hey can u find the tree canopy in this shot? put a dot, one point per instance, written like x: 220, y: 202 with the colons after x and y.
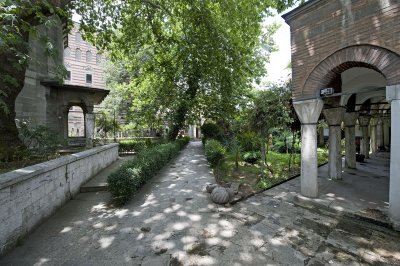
x: 187, y: 58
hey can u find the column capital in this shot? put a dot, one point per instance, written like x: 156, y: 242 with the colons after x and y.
x: 308, y: 111
x: 350, y: 119
x: 334, y: 116
x: 89, y: 109
x: 364, y: 120
x: 374, y: 121
x: 393, y: 92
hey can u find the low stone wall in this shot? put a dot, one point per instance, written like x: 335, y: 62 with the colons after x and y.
x: 31, y: 194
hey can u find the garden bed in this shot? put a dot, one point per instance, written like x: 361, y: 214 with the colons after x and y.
x: 249, y: 175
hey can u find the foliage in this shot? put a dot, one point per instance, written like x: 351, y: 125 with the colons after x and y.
x: 40, y: 140
x: 251, y: 157
x: 42, y: 143
x: 124, y: 182
x: 215, y: 152
x: 187, y: 58
x: 249, y: 141
x: 129, y: 146
x: 211, y: 130
x: 106, y: 123
x: 235, y: 149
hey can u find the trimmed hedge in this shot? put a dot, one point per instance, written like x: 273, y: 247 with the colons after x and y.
x: 133, y: 174
x: 129, y: 146
x: 215, y: 152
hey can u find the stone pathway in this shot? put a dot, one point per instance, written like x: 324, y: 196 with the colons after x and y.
x: 173, y: 222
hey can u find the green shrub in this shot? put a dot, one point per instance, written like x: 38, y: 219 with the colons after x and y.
x: 183, y: 141
x: 251, y: 157
x: 211, y: 130
x: 249, y: 141
x: 124, y: 182
x: 215, y: 152
x: 136, y: 145
x: 281, y: 147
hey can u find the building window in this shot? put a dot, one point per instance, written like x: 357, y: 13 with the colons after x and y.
x: 67, y: 52
x: 78, y: 54
x: 98, y: 59
x: 68, y: 75
x: 88, y: 57
x: 78, y: 37
x: 88, y: 78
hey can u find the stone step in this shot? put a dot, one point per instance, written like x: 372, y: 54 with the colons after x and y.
x: 99, y: 181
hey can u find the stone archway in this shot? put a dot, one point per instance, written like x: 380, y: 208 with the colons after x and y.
x: 309, y: 105
x: 377, y: 58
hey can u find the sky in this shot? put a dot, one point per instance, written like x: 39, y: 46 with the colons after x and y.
x: 276, y: 69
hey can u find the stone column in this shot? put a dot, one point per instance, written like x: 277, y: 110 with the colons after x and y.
x: 386, y: 127
x: 364, y: 122
x: 393, y: 96
x: 190, y: 132
x: 64, y: 122
x: 350, y: 120
x: 89, y: 127
x: 321, y: 140
x: 372, y: 125
x: 379, y: 133
x: 334, y: 118
x: 308, y: 112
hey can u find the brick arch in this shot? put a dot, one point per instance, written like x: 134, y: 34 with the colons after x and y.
x: 377, y: 58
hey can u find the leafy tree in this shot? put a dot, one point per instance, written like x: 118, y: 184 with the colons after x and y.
x: 183, y: 53
x: 106, y: 123
x: 271, y: 110
x: 188, y: 58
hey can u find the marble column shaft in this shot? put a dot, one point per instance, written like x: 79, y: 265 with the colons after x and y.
x: 386, y: 128
x: 364, y: 122
x: 334, y: 118
x: 393, y: 96
x: 372, y: 124
x: 89, y: 129
x: 379, y: 133
x: 350, y: 120
x: 308, y: 112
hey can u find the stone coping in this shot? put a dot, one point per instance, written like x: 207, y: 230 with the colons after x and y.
x: 19, y: 175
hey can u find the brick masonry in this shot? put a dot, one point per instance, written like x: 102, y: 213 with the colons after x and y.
x: 329, y: 37
x: 31, y: 194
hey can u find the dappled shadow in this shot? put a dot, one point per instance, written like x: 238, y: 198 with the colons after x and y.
x: 172, y: 220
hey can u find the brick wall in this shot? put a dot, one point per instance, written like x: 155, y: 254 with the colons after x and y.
x: 31, y: 194
x: 323, y: 27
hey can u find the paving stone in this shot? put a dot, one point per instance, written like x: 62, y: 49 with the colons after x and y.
x: 172, y: 221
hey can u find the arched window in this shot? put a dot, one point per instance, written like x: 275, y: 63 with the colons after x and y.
x: 98, y: 59
x: 78, y: 54
x: 67, y: 52
x: 88, y: 56
x: 78, y: 37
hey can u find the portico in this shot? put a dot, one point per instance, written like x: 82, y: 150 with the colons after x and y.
x: 332, y: 52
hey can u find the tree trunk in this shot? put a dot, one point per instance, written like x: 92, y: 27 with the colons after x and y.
x: 263, y: 157
x: 180, y: 114
x: 11, y: 83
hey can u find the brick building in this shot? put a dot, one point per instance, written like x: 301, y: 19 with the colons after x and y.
x: 84, y: 64
x: 346, y: 69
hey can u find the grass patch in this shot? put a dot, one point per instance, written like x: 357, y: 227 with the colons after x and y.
x: 249, y: 175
